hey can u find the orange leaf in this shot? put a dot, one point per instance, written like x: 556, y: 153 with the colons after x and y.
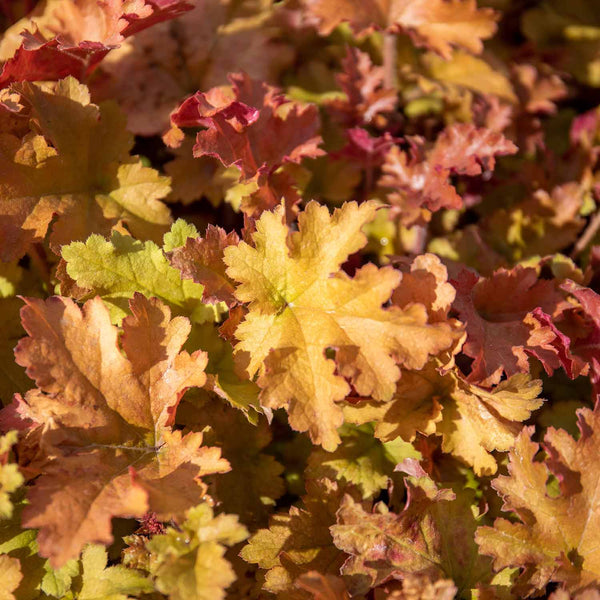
x: 103, y: 417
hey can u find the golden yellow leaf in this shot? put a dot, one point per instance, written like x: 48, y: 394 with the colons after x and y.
x: 301, y: 304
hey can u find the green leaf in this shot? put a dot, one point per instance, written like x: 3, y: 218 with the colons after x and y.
x: 180, y: 231
x: 10, y: 477
x: 118, y: 268
x: 188, y: 564
x: 361, y: 459
x: 112, y: 583
x: 57, y: 582
x: 39, y: 577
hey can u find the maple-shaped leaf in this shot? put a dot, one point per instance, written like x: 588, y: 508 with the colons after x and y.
x: 116, y: 269
x: 472, y: 420
x: 432, y: 536
x: 103, y: 416
x: 69, y: 37
x: 201, y: 259
x: 586, y: 346
x: 426, y: 282
x: 101, y: 582
x: 10, y: 477
x: 298, y: 542
x: 74, y: 166
x: 420, y: 178
x: 366, y: 94
x: 361, y: 460
x: 301, y: 304
x: 475, y: 422
x: 10, y: 575
x: 253, y: 128
x: 435, y: 24
x: 555, y: 537
x: 188, y: 563
x: 508, y: 318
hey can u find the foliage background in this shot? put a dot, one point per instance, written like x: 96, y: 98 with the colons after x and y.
x: 299, y: 299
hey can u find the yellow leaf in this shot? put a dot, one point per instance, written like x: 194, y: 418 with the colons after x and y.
x: 74, y: 165
x: 301, y: 304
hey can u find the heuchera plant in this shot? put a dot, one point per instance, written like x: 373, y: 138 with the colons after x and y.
x: 299, y: 299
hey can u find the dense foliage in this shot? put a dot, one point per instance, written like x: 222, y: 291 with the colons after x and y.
x: 300, y: 299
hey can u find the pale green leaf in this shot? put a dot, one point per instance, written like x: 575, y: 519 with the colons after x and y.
x: 180, y: 231
x: 118, y: 268
x: 188, y: 564
x: 112, y: 583
x: 10, y: 477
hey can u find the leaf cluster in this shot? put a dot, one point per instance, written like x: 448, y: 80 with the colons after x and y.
x: 299, y: 300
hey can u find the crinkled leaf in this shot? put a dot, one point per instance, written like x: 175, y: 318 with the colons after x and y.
x: 420, y: 180
x: 201, y: 259
x: 100, y: 582
x: 361, y: 460
x: 188, y: 563
x: 555, y: 535
x: 254, y: 128
x: 298, y: 542
x: 504, y: 323
x: 432, y: 536
x: 116, y: 269
x: 472, y: 421
x: 74, y: 163
x: 301, y: 304
x: 113, y: 411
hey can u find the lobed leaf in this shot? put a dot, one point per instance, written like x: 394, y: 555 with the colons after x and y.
x: 104, y: 418
x: 301, y: 304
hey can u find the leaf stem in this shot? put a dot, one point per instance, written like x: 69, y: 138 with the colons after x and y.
x: 587, y: 236
x: 389, y: 60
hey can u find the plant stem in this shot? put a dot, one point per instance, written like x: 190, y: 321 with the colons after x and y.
x: 588, y: 235
x: 389, y: 60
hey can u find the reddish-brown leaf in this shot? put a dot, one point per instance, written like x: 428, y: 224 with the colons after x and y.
x: 71, y: 38
x: 257, y: 130
x: 101, y: 417
x: 505, y: 319
x: 201, y: 259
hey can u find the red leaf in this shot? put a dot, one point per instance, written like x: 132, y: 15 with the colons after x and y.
x: 507, y: 318
x: 103, y: 26
x: 257, y: 131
